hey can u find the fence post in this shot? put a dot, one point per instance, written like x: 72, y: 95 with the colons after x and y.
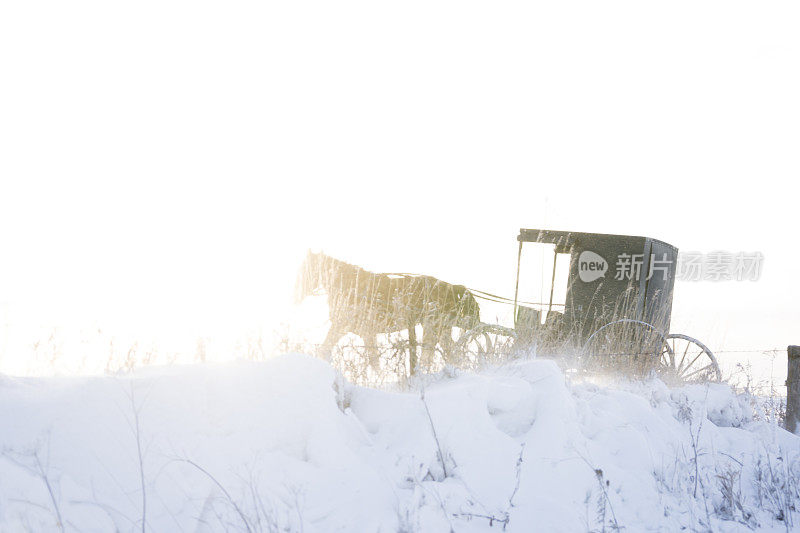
x: 793, y: 390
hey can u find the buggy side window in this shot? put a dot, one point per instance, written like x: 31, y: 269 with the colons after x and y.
x: 560, y: 281
x: 543, y: 274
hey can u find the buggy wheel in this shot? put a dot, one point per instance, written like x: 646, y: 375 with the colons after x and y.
x: 483, y: 344
x: 688, y: 359
x: 626, y: 346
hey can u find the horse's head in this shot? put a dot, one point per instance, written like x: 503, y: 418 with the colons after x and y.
x: 308, y: 276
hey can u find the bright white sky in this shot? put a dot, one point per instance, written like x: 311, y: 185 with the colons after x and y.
x: 165, y: 165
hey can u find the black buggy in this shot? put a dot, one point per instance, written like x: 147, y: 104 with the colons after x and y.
x: 614, y: 312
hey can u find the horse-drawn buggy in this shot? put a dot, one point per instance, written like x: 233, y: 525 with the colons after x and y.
x: 607, y: 306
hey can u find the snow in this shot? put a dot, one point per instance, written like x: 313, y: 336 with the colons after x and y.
x: 288, y: 445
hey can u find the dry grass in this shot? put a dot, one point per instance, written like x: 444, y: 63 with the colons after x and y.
x: 628, y: 348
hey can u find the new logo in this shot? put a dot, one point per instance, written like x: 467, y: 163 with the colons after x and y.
x: 591, y: 266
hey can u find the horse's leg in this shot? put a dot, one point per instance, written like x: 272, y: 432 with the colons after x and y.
x: 429, y: 337
x: 336, y: 332
x: 412, y: 347
x: 371, y: 346
x: 446, y: 342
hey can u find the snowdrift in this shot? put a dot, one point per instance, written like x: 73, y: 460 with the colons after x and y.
x: 286, y: 445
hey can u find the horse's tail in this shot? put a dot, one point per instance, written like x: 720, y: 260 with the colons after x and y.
x: 469, y: 309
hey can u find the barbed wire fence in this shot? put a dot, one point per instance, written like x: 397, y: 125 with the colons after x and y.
x: 758, y: 370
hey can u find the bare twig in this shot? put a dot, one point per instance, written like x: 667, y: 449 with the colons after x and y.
x: 435, y: 436
x: 43, y: 475
x: 138, y: 434
x: 225, y: 492
x: 603, y: 483
x: 519, y: 477
x: 39, y: 470
x: 491, y: 518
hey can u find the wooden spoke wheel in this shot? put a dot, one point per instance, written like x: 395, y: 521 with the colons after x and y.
x: 626, y: 346
x: 688, y: 359
x: 484, y: 343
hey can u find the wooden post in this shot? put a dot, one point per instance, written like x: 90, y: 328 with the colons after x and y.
x: 516, y: 286
x: 793, y: 390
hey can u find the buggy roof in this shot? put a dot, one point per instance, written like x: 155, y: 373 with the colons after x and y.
x: 564, y: 240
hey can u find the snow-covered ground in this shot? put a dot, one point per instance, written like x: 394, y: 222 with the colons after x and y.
x: 286, y: 445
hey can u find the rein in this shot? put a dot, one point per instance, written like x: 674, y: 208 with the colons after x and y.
x: 483, y: 295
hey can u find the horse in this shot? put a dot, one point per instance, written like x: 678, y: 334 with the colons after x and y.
x: 367, y: 304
